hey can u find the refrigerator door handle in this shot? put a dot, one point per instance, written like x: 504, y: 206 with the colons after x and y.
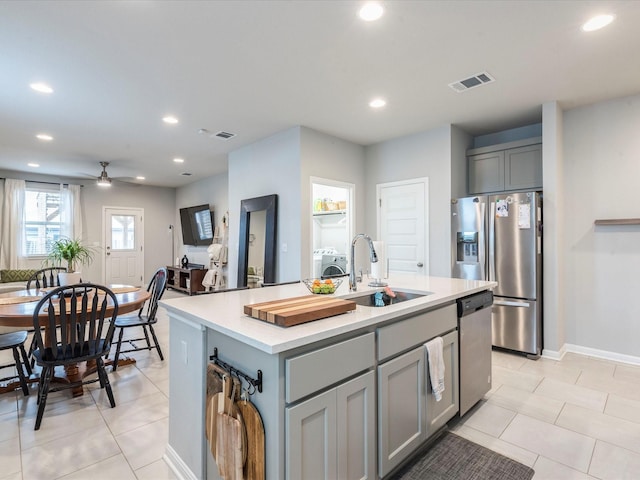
x: 491, y: 238
x: 505, y: 303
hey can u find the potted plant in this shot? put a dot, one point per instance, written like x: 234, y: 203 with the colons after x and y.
x: 74, y: 253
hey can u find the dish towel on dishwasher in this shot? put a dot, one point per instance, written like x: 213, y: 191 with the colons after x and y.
x: 435, y: 357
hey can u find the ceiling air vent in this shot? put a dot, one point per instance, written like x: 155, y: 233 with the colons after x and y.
x: 225, y: 135
x: 471, y: 82
x: 222, y: 135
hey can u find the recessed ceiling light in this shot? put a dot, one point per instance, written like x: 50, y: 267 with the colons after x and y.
x: 139, y: 177
x: 178, y: 160
x: 41, y: 87
x: 170, y: 119
x: 34, y: 165
x: 371, y: 11
x: 45, y: 137
x: 377, y: 103
x: 597, y: 22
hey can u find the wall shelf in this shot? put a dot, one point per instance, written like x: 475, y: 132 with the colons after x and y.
x: 325, y: 213
x: 618, y: 221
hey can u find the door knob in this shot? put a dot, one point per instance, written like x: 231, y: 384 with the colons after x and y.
x: 420, y: 264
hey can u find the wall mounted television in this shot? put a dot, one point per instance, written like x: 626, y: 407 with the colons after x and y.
x: 197, y: 225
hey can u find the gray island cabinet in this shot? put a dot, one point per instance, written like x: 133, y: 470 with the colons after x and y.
x: 343, y: 397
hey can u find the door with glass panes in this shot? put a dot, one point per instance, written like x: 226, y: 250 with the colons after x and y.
x: 123, y: 244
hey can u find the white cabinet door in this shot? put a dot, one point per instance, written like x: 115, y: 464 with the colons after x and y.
x: 311, y: 438
x: 439, y: 413
x: 401, y: 408
x: 356, y: 428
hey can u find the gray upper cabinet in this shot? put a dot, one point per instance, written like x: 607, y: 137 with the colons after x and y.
x: 505, y: 167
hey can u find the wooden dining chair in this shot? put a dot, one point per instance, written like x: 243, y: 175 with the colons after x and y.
x: 145, y: 319
x: 15, y: 341
x: 85, y: 333
x: 47, y: 277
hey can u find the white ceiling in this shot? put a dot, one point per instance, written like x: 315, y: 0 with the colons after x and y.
x: 254, y: 68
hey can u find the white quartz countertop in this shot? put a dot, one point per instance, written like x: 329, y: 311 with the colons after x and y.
x: 224, y: 311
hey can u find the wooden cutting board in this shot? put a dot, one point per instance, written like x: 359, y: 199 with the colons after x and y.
x: 292, y: 311
x: 231, y: 435
x: 254, y: 466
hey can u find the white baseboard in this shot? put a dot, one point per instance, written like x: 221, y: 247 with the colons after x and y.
x: 554, y: 354
x: 603, y: 354
x: 590, y: 352
x: 177, y: 466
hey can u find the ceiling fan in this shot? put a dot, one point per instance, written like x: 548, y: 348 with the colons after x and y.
x: 103, y: 179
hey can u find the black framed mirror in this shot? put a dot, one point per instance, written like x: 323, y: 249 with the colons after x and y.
x: 264, y: 211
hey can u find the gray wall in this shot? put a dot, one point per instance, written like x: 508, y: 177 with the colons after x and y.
x: 284, y: 164
x: 159, y: 211
x: 554, y: 260
x: 213, y: 190
x: 330, y: 158
x: 425, y: 154
x: 159, y: 206
x: 461, y: 141
x: 269, y: 166
x: 602, y: 169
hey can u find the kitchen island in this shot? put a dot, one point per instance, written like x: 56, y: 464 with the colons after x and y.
x: 328, y: 385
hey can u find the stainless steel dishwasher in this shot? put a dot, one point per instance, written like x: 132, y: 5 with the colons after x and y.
x: 474, y: 330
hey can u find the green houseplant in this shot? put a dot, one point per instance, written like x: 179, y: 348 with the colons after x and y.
x: 74, y: 253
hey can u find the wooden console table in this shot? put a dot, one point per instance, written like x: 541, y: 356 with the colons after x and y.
x: 188, y: 280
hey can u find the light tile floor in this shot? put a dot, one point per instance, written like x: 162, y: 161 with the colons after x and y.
x: 578, y: 418
x: 83, y: 438
x: 574, y: 419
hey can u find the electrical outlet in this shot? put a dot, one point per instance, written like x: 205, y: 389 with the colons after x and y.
x: 285, y: 247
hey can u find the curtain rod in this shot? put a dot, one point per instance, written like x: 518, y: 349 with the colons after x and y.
x: 47, y: 183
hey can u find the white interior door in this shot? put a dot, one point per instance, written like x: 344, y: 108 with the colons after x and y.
x: 123, y: 243
x: 403, y: 224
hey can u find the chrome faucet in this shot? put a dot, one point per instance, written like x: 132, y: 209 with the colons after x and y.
x: 372, y: 253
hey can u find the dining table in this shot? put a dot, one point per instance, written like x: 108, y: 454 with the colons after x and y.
x: 17, y: 310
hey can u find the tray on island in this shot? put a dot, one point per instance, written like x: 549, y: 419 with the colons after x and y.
x: 293, y: 311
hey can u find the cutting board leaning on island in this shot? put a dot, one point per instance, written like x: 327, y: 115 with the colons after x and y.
x: 234, y: 428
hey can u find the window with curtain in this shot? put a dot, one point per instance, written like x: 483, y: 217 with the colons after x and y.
x: 34, y: 216
x: 42, y: 220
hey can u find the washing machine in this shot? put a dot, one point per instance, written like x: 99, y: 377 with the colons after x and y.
x: 334, y: 266
x: 318, y: 253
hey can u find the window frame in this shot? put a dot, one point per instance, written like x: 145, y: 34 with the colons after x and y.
x: 28, y: 224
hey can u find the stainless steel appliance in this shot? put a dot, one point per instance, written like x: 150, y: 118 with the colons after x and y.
x: 499, y: 237
x: 474, y: 330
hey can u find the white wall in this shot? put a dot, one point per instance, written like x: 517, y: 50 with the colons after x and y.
x: 213, y: 190
x: 602, y: 173
x: 425, y: 154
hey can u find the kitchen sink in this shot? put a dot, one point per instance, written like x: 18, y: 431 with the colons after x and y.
x: 382, y: 299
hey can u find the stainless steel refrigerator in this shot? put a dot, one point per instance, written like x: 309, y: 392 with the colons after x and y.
x: 499, y: 238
